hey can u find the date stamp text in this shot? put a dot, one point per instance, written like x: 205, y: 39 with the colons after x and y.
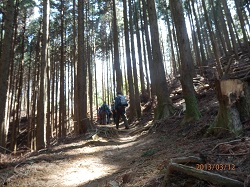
x: 216, y: 167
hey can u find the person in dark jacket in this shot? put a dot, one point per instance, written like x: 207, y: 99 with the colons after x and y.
x: 105, y: 114
x: 113, y: 111
x: 120, y: 110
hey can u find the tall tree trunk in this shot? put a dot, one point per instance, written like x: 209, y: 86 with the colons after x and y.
x: 53, y: 102
x: 223, y: 26
x: 203, y: 58
x: 174, y: 67
x: 96, y: 89
x: 41, y: 113
x: 129, y: 67
x: 15, y: 123
x: 116, y: 51
x: 4, y: 67
x: 145, y: 56
x: 89, y: 54
x: 230, y: 27
x: 35, y: 82
x: 149, y: 50
x: 192, y: 112
x: 19, y: 87
x: 135, y: 76
x: 213, y: 41
x: 138, y: 39
x: 176, y: 47
x: 81, y: 73
x: 62, y: 117
x: 12, y: 87
x: 220, y: 36
x: 56, y: 99
x: 242, y: 24
x: 28, y: 95
x: 48, y: 114
x: 164, y: 105
x: 76, y: 116
x: 194, y: 37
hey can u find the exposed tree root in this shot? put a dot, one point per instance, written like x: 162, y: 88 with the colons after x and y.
x: 140, y: 130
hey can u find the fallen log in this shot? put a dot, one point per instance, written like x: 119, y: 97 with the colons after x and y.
x: 190, y: 159
x: 201, y: 174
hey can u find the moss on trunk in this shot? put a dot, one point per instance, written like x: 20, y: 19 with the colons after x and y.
x: 227, y: 119
x: 192, y: 112
x: 163, y: 111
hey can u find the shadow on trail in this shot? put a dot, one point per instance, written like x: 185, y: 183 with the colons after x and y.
x: 125, y: 158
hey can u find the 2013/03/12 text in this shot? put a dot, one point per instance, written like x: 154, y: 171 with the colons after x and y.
x: 217, y: 167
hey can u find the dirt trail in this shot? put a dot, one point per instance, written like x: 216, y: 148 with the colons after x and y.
x: 137, y: 157
x: 130, y: 158
x: 86, y: 162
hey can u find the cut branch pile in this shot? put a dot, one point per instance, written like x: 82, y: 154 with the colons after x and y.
x: 178, y: 165
x: 237, y: 69
x: 232, y: 69
x: 102, y: 131
x: 107, y: 132
x: 241, y: 71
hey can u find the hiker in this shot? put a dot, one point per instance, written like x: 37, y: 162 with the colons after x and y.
x: 113, y: 110
x: 98, y: 115
x: 109, y: 114
x: 104, y: 113
x: 120, y: 104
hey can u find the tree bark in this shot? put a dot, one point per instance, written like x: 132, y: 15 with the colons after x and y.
x: 149, y: 50
x: 81, y: 72
x: 242, y: 24
x: 62, y: 116
x: 76, y: 116
x: 173, y: 60
x: 187, y: 67
x: 129, y: 67
x: 223, y: 26
x: 116, y: 51
x: 138, y: 39
x: 194, y: 37
x: 4, y: 67
x: 213, y: 41
x: 41, y: 113
x: 203, y: 58
x: 164, y: 105
x: 230, y: 27
x: 135, y: 76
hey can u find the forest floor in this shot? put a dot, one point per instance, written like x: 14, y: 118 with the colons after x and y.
x: 135, y: 157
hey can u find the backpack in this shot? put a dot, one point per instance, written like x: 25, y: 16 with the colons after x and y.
x: 123, y: 101
x: 104, y: 108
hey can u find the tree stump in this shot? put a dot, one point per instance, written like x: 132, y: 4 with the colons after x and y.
x: 228, y: 93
